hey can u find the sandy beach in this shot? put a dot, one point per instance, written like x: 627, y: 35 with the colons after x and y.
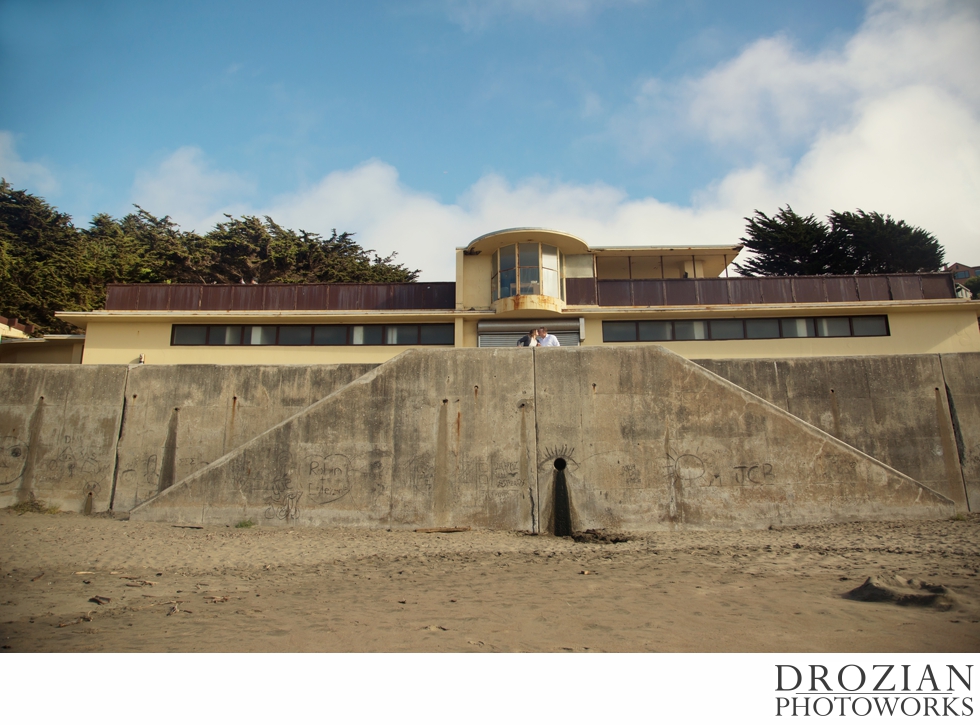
x: 72, y: 583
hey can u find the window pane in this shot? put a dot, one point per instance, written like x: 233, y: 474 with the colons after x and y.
x: 530, y: 281
x: 190, y: 334
x: 402, y: 335
x: 295, y: 334
x: 330, y: 335
x: 493, y: 264
x: 550, y: 285
x: 549, y: 257
x: 797, y: 327
x: 834, y: 326
x: 367, y: 334
x: 612, y: 267
x: 508, y: 283
x: 619, y: 332
x: 689, y: 330
x: 579, y: 266
x: 529, y: 255
x: 225, y: 335
x: 655, y: 330
x: 260, y: 335
x: 508, y: 257
x: 439, y: 334
x: 727, y: 330
x: 870, y: 326
x: 761, y: 329
x: 493, y: 288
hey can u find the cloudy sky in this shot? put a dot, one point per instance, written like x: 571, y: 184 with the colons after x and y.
x: 422, y: 124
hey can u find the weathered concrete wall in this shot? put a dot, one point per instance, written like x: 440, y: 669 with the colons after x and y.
x: 431, y: 438
x: 181, y: 418
x: 895, y: 408
x: 473, y: 438
x: 962, y: 374
x: 651, y: 440
x: 58, y: 431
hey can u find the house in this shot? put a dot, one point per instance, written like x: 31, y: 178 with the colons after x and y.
x: 512, y: 280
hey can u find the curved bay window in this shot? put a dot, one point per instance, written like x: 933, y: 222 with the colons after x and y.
x: 527, y: 268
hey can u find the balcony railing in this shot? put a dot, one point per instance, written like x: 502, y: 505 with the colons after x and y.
x: 758, y: 290
x: 279, y: 297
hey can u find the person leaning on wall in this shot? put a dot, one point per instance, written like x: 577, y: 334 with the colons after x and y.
x: 529, y: 340
x: 546, y: 340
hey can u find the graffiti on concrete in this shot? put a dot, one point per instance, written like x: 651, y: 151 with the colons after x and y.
x: 684, y: 467
x: 423, y: 474
x: 13, y: 458
x: 329, y: 478
x: 758, y: 474
x: 507, y: 474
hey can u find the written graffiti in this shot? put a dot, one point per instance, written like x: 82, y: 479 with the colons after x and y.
x: 758, y: 474
x: 329, y: 478
x: 13, y: 457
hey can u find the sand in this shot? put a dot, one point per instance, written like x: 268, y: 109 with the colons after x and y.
x: 221, y: 589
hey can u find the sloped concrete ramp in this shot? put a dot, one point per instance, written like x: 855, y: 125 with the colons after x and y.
x: 628, y: 438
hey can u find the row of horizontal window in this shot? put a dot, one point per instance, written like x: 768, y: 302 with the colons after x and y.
x: 431, y: 334
x: 744, y: 329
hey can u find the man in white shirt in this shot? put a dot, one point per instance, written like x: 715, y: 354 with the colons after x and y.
x: 546, y: 340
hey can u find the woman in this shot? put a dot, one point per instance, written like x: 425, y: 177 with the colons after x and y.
x: 529, y: 340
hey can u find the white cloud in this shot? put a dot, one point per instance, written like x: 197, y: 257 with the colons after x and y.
x: 477, y: 14
x: 773, y: 95
x: 24, y: 174
x: 187, y: 189
x: 890, y: 122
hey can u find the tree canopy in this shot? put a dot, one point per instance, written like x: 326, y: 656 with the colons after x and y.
x: 47, y: 264
x: 847, y: 243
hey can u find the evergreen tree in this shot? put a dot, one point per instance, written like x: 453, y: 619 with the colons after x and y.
x: 47, y: 264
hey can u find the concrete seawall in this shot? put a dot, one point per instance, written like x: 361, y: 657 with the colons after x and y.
x: 450, y: 438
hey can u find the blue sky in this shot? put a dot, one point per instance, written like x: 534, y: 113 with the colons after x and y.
x: 422, y: 124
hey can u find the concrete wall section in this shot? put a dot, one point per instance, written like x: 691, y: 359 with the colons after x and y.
x: 432, y: 438
x: 180, y: 419
x: 962, y: 375
x: 651, y: 441
x: 58, y: 431
x: 894, y: 408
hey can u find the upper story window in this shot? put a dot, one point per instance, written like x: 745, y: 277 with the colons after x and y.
x: 527, y: 268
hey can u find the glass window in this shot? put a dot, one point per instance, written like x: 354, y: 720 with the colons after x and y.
x: 797, y: 327
x: 508, y: 283
x: 508, y: 257
x: 761, y: 329
x: 367, y: 335
x: 549, y: 257
x: 689, y: 330
x: 190, y: 334
x: 260, y: 335
x: 330, y: 335
x: 226, y: 334
x: 612, y: 267
x: 439, y: 334
x: 871, y: 326
x: 833, y: 326
x: 578, y: 266
x: 655, y: 330
x: 530, y: 281
x: 618, y: 331
x: 551, y: 284
x: 295, y: 334
x: 528, y: 255
x: 962, y: 275
x: 494, y: 289
x: 402, y: 335
x: 727, y: 330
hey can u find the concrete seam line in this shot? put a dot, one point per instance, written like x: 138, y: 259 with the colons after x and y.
x: 362, y: 380
x: 776, y: 410
x: 115, y: 457
x: 957, y: 432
